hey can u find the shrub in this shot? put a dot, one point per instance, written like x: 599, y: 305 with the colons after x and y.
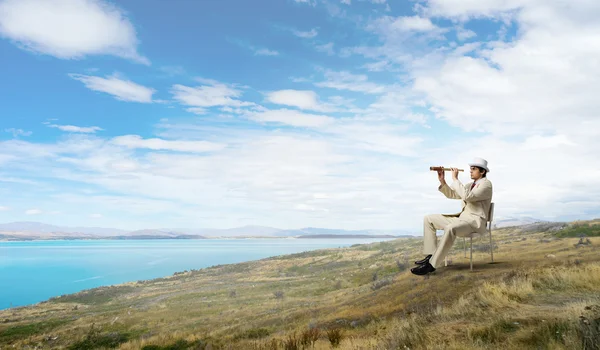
x: 381, y: 283
x: 278, y: 294
x: 253, y: 333
x: 94, y: 340
x: 334, y: 336
x: 310, y: 336
x: 291, y: 342
x: 181, y: 344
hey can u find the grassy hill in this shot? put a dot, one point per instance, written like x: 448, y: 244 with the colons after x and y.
x: 543, y: 292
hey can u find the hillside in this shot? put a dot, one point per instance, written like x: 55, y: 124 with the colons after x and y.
x: 543, y: 292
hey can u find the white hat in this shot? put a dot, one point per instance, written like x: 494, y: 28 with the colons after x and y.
x: 480, y: 162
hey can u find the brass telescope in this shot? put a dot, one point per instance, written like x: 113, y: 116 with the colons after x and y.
x: 436, y: 168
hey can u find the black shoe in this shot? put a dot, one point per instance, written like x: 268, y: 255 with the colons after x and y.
x: 423, y: 261
x: 423, y: 269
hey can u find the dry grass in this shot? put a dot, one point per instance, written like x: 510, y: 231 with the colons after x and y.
x: 525, y: 300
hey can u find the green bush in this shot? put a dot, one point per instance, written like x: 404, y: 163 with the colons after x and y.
x: 253, y: 333
x: 179, y: 345
x: 11, y: 334
x: 95, y: 340
x: 579, y: 230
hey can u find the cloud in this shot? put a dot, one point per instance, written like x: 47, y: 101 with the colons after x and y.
x: 123, y: 90
x: 544, y: 142
x: 136, y: 141
x: 69, y: 29
x: 290, y: 117
x: 415, y: 23
x: 463, y: 34
x: 541, y: 83
x: 211, y: 94
x: 303, y: 99
x: 33, y: 212
x: 402, y: 24
x: 3, y: 208
x: 265, y: 52
x: 18, y: 132
x: 347, y: 81
x: 96, y: 216
x: 346, y: 2
x: 327, y: 48
x: 76, y: 129
x: 309, y: 2
x: 310, y: 34
x: 474, y: 9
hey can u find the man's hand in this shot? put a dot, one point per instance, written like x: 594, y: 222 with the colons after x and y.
x: 441, y: 175
x: 454, y: 173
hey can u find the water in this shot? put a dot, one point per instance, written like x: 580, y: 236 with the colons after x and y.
x: 35, y: 271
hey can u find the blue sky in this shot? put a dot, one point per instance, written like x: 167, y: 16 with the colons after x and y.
x: 323, y: 113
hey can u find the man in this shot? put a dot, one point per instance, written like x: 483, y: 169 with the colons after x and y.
x: 476, y: 199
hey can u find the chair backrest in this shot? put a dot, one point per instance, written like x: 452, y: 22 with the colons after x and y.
x: 491, y: 213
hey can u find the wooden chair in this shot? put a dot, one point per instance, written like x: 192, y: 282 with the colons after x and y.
x: 476, y: 234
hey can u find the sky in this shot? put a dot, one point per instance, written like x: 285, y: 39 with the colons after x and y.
x: 294, y: 113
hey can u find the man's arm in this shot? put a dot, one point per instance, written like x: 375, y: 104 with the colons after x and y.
x: 479, y: 193
x: 448, y: 191
x: 444, y: 188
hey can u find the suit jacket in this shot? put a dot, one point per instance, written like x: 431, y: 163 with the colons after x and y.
x: 475, y: 203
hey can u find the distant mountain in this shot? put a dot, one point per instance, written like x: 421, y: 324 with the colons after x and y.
x: 45, y: 231
x: 353, y: 236
x: 162, y: 233
x: 511, y: 221
x: 37, y: 227
x: 308, y: 231
x: 231, y: 232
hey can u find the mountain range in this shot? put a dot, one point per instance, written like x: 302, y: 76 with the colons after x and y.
x: 32, y: 230
x: 37, y: 230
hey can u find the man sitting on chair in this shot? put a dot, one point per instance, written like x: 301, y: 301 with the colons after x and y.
x: 476, y: 200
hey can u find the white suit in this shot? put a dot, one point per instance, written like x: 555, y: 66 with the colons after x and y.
x: 476, y: 204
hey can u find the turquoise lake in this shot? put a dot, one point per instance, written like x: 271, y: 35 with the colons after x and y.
x: 35, y: 271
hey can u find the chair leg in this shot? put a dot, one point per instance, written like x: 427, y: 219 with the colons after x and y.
x: 471, y: 253
x: 491, y: 246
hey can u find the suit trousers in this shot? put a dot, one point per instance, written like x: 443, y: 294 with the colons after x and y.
x: 453, y: 227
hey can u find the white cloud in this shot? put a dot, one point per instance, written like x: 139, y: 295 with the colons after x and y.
x: 18, y: 132
x: 290, y: 117
x: 265, y: 52
x: 407, y: 23
x: 347, y: 81
x: 327, y: 48
x: 346, y: 2
x: 378, y: 66
x: 123, y: 90
x: 211, y: 94
x: 544, y: 142
x: 310, y: 34
x: 136, y: 141
x: 543, y: 82
x: 33, y: 212
x: 463, y: 34
x: 310, y: 2
x: 77, y: 129
x: 96, y: 216
x: 69, y: 29
x: 3, y: 208
x: 464, y: 9
x: 303, y: 99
